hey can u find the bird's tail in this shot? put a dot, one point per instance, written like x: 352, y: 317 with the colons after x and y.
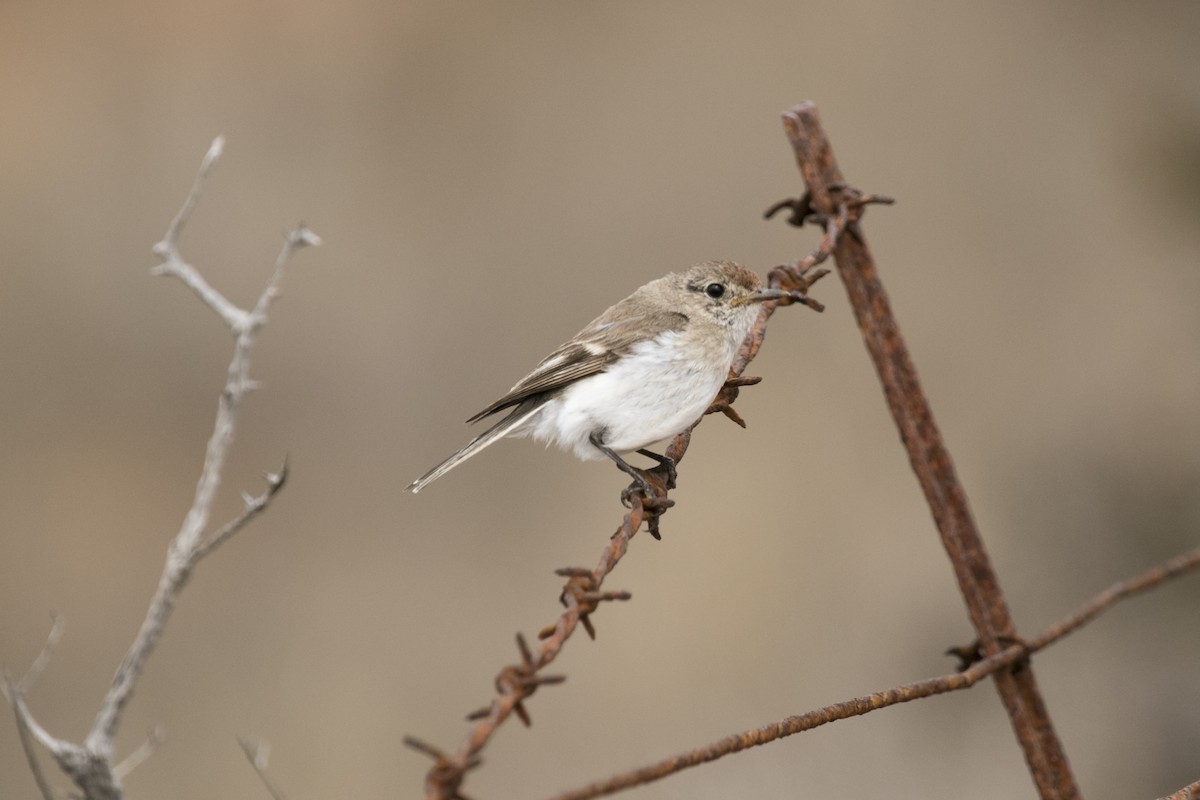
x: 498, y: 431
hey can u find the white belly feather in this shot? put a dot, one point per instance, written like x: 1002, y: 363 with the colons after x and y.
x: 647, y: 395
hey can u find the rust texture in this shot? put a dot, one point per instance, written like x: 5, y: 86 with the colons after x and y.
x: 1014, y: 654
x: 827, y: 191
x: 999, y: 652
x: 516, y: 683
x: 582, y: 594
x: 1189, y: 792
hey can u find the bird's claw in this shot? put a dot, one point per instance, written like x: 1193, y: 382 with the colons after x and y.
x: 653, y: 501
x: 641, y: 485
x: 666, y: 468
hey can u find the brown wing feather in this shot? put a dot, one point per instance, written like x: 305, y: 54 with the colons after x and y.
x: 607, y: 338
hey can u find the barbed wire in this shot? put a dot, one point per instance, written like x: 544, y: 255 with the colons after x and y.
x: 582, y: 593
x: 999, y: 652
x: 968, y: 676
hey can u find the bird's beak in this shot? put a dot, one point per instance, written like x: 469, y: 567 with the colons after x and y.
x: 761, y: 296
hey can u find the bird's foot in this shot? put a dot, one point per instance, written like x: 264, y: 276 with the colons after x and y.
x: 643, y: 484
x: 649, y: 489
x: 666, y: 468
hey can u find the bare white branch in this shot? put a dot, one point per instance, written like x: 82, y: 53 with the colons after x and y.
x: 57, y: 628
x: 91, y: 771
x: 55, y: 745
x: 173, y: 263
x: 91, y: 765
x: 157, y: 735
x: 254, y: 507
x: 233, y: 316
x: 188, y: 546
x: 28, y: 728
x: 25, y: 723
x: 169, y: 244
x: 299, y: 237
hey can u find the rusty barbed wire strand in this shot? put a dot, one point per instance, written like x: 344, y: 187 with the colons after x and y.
x: 928, y: 456
x: 582, y: 593
x: 1120, y: 590
x: 444, y: 779
x: 964, y: 679
x: 1189, y: 792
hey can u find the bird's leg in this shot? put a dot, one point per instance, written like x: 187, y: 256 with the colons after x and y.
x: 665, y: 462
x: 638, y: 477
x: 653, y: 503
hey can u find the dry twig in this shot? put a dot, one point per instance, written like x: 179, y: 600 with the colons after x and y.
x: 14, y: 692
x: 157, y: 735
x: 91, y: 764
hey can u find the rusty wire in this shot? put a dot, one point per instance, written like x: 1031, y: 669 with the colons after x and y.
x: 582, y: 592
x: 1000, y: 653
x: 929, y: 458
x: 515, y: 683
x: 1189, y: 792
x: 971, y: 674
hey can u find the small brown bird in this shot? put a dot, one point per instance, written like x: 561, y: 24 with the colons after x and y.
x: 641, y: 372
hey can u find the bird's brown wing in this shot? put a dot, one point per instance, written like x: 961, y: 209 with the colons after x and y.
x: 610, y: 336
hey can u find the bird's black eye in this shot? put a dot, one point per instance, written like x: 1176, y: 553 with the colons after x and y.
x: 714, y: 290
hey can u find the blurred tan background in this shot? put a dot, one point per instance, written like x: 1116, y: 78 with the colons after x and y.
x: 489, y: 176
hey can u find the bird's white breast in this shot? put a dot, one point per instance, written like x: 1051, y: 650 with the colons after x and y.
x: 655, y: 391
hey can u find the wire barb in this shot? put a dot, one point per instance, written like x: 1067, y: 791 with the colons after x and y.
x: 519, y: 681
x: 444, y: 779
x: 446, y: 776
x: 1005, y: 661
x: 829, y: 194
x: 582, y: 593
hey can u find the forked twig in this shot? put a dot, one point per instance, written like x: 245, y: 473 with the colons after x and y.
x: 91, y: 765
x: 253, y: 507
x: 58, y: 627
x: 14, y: 693
x: 157, y: 735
